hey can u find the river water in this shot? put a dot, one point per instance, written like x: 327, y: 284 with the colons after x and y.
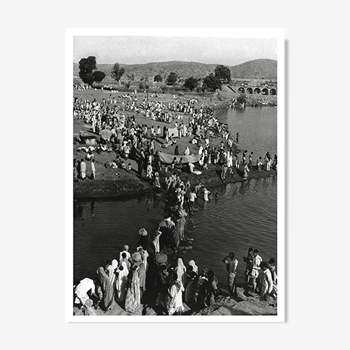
x: 245, y: 214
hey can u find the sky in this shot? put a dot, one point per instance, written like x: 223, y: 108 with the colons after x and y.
x: 145, y: 49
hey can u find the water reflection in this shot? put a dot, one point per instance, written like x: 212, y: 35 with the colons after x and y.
x: 244, y: 186
x: 148, y: 202
x: 256, y: 185
x: 93, y: 215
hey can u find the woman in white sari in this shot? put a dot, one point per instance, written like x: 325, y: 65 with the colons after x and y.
x: 194, y: 266
x: 149, y: 171
x: 114, y: 265
x: 121, y: 281
x: 229, y: 159
x: 174, y: 298
x: 180, y: 270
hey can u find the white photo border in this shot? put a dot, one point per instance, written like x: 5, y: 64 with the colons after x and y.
x: 276, y: 33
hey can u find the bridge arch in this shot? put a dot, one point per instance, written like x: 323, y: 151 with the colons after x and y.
x: 273, y: 92
x: 257, y: 91
x: 249, y: 90
x: 240, y: 89
x: 265, y: 91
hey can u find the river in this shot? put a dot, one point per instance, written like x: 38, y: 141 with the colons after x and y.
x: 245, y: 214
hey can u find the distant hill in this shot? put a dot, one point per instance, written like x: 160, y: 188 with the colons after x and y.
x: 255, y: 69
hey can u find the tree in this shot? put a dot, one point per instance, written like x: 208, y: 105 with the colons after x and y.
x: 86, y: 66
x: 211, y: 82
x: 143, y: 85
x: 171, y: 79
x: 88, y: 78
x: 241, y: 99
x: 223, y: 73
x: 98, y: 76
x: 158, y: 78
x: 191, y: 83
x: 117, y: 72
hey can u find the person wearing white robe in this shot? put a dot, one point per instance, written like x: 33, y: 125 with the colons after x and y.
x: 256, y: 268
x: 81, y: 290
x: 114, y: 265
x: 82, y: 169
x: 206, y: 194
x: 229, y: 159
x: 174, y: 298
x: 126, y: 251
x: 180, y: 270
x: 121, y: 281
x: 267, y: 283
x: 156, y: 243
x: 194, y: 266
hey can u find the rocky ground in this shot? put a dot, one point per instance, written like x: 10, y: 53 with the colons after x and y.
x: 244, y: 304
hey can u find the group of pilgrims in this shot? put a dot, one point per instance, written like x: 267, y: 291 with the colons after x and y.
x: 120, y: 133
x: 155, y: 274
x: 147, y: 278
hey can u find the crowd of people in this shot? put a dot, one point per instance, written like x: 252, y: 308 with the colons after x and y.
x: 147, y: 277
x: 119, y: 133
x: 155, y: 274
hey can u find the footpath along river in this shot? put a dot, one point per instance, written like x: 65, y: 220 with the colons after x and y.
x: 244, y: 215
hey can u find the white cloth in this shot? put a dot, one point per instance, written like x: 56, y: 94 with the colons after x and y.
x: 176, y: 297
x: 256, y: 265
x: 82, y: 288
x: 194, y: 266
x: 267, y: 284
x: 127, y: 255
x: 206, y: 194
x: 121, y: 281
x: 180, y: 271
x: 192, y: 196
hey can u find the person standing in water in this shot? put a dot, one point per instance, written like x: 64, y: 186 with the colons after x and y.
x: 267, y: 283
x: 192, y: 198
x: 256, y: 268
x: 248, y: 267
x: 206, y: 194
x: 259, y: 164
x: 250, y: 163
x: 82, y: 169
x: 223, y: 172
x: 245, y: 172
x: 93, y: 170
x: 231, y: 268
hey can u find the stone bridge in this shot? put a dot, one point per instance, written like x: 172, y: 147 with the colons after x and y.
x: 256, y: 90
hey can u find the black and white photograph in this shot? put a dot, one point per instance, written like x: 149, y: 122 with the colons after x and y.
x: 177, y: 189
x: 207, y: 205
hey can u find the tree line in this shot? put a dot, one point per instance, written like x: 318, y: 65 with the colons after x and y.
x: 89, y: 74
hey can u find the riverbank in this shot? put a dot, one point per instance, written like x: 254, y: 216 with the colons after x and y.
x: 117, y: 183
x: 129, y: 184
x: 248, y: 304
x: 111, y: 182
